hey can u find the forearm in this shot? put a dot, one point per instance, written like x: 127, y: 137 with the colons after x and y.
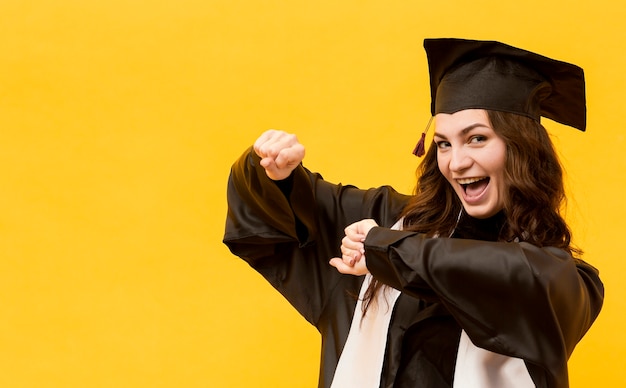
x: 509, y: 297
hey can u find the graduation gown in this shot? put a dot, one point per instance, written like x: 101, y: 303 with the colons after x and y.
x: 513, y: 299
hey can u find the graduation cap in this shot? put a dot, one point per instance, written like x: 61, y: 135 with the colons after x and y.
x: 472, y: 74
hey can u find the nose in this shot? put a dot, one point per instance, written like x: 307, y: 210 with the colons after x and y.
x: 459, y: 160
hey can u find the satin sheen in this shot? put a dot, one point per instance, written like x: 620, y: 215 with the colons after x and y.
x: 491, y: 290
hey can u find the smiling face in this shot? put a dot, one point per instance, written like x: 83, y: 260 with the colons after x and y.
x: 472, y: 156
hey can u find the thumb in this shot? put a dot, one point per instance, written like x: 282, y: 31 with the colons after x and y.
x: 340, y: 265
x: 273, y: 171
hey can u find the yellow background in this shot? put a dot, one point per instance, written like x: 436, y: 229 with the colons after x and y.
x: 119, y: 121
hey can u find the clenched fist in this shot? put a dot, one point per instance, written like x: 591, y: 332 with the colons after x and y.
x: 352, y: 260
x: 280, y: 153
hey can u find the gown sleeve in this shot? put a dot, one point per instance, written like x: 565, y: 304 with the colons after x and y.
x: 514, y: 299
x: 289, y: 231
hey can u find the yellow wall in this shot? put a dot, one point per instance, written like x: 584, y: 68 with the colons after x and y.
x: 119, y: 121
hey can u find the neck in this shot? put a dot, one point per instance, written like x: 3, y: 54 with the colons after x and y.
x: 487, y: 229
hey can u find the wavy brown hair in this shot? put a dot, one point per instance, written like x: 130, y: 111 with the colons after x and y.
x: 535, y: 191
x: 534, y: 179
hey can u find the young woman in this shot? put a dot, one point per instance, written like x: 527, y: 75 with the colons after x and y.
x: 472, y: 281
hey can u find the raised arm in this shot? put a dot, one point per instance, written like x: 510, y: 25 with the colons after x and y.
x: 288, y: 229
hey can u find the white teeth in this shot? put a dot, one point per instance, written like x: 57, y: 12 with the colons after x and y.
x: 467, y: 181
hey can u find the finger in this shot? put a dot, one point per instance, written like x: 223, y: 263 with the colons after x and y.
x: 280, y: 153
x: 350, y: 256
x: 270, y: 166
x: 266, y: 144
x: 267, y: 162
x: 349, y: 260
x: 273, y: 172
x: 290, y: 157
x: 360, y: 229
x: 353, y: 233
x: 359, y: 269
x: 265, y: 137
x: 349, y: 243
x: 276, y: 143
x: 341, y: 266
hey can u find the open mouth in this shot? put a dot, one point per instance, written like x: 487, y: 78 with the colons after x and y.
x: 474, y: 187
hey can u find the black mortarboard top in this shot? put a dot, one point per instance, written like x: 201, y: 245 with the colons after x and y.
x: 467, y: 74
x: 473, y: 74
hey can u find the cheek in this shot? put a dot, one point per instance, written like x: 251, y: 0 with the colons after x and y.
x: 497, y: 161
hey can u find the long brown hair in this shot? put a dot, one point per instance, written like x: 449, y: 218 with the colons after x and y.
x: 535, y: 196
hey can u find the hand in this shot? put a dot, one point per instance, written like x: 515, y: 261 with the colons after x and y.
x: 280, y: 153
x: 352, y: 260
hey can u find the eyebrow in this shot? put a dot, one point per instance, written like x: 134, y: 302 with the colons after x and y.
x: 465, y: 130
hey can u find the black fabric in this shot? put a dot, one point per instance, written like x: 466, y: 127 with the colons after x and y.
x: 261, y: 229
x: 479, y: 229
x: 422, y: 345
x: 513, y: 299
x: 473, y: 74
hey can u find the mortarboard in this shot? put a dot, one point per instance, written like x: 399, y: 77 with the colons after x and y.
x: 472, y: 74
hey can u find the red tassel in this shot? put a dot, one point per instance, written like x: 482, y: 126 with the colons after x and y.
x: 420, y: 149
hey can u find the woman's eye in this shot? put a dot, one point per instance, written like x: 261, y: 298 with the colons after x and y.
x: 442, y: 144
x: 477, y: 139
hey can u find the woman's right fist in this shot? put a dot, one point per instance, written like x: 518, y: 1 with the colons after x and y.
x: 280, y: 153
